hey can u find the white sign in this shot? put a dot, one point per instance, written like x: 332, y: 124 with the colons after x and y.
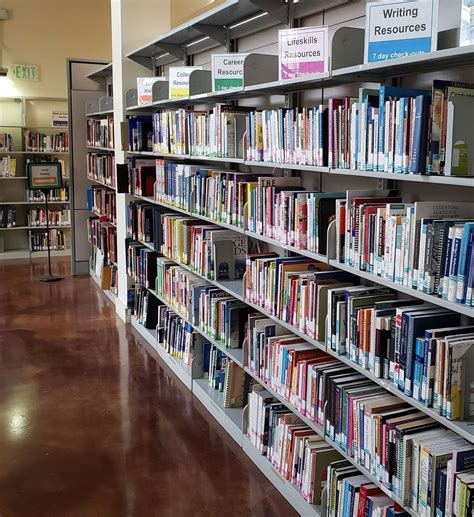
x: 400, y: 29
x: 303, y: 52
x: 60, y: 119
x: 145, y: 89
x: 44, y: 175
x: 227, y: 71
x: 179, y: 80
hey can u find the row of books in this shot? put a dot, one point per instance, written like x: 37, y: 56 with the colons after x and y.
x: 144, y: 223
x: 141, y: 176
x: 321, y: 377
x: 57, y: 194
x: 39, y: 240
x: 103, y: 238
x: 7, y: 216
x: 104, y: 270
x: 176, y: 335
x: 218, y: 132
x: 385, y: 129
x: 6, y: 142
x: 41, y: 142
x: 225, y: 375
x: 402, y: 130
x: 169, y: 132
x: 276, y: 207
x: 210, y: 250
x: 101, y: 201
x: 296, y: 452
x: 181, y: 341
x: 7, y: 167
x: 101, y: 167
x: 377, y: 430
x: 37, y: 217
x: 296, y: 136
x: 423, y: 245
x: 144, y: 306
x: 100, y: 133
x: 142, y: 264
x: 140, y: 133
x: 351, y: 494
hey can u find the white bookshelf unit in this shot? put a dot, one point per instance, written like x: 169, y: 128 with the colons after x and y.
x: 251, y: 27
x: 23, y: 118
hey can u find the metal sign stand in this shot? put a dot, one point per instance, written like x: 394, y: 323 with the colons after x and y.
x: 50, y: 277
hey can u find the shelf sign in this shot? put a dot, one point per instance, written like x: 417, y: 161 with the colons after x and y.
x: 43, y: 176
x: 400, y: 29
x: 25, y: 72
x: 179, y: 80
x: 227, y: 71
x: 60, y: 119
x: 303, y: 52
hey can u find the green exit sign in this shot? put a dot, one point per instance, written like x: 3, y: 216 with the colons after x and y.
x: 25, y: 72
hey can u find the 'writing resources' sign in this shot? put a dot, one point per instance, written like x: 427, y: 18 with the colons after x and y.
x: 179, y: 80
x: 303, y: 52
x: 400, y: 29
x: 227, y: 71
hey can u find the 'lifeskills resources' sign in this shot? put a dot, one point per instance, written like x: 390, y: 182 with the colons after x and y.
x: 303, y: 52
x: 400, y: 29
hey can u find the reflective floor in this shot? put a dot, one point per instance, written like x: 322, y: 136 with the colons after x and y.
x: 92, y: 425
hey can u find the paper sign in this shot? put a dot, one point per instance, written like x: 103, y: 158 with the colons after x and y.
x: 145, y: 89
x: 60, y: 119
x: 25, y: 72
x: 400, y: 29
x: 227, y: 71
x: 467, y: 23
x: 303, y: 52
x: 44, y: 176
x: 179, y: 80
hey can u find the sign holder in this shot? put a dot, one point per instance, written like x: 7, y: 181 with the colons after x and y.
x: 45, y: 177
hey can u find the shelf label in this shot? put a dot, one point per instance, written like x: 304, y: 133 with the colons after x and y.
x: 303, y: 52
x: 145, y: 89
x: 60, y: 119
x: 227, y: 71
x: 400, y: 29
x: 179, y: 80
x: 43, y: 176
x: 25, y: 72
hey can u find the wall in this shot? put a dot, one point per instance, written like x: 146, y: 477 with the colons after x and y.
x: 143, y: 21
x: 47, y: 32
x: 182, y: 11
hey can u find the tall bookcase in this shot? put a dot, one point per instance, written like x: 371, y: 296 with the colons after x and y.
x: 32, y: 118
x: 246, y: 27
x: 101, y: 199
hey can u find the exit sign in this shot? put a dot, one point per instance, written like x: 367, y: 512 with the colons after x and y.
x: 26, y: 72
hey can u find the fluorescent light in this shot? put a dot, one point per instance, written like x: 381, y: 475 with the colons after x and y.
x: 163, y: 55
x: 256, y: 17
x: 197, y: 41
x: 7, y: 87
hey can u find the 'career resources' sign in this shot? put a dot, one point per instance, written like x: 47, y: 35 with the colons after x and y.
x: 400, y: 29
x: 302, y: 52
x: 44, y: 176
x: 179, y: 80
x: 227, y: 71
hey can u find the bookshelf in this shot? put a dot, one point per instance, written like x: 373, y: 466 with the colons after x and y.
x: 248, y: 27
x: 28, y: 122
x: 102, y: 227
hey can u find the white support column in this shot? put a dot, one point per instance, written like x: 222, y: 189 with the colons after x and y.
x: 133, y: 23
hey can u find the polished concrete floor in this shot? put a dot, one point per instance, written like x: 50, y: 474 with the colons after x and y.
x: 91, y: 424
